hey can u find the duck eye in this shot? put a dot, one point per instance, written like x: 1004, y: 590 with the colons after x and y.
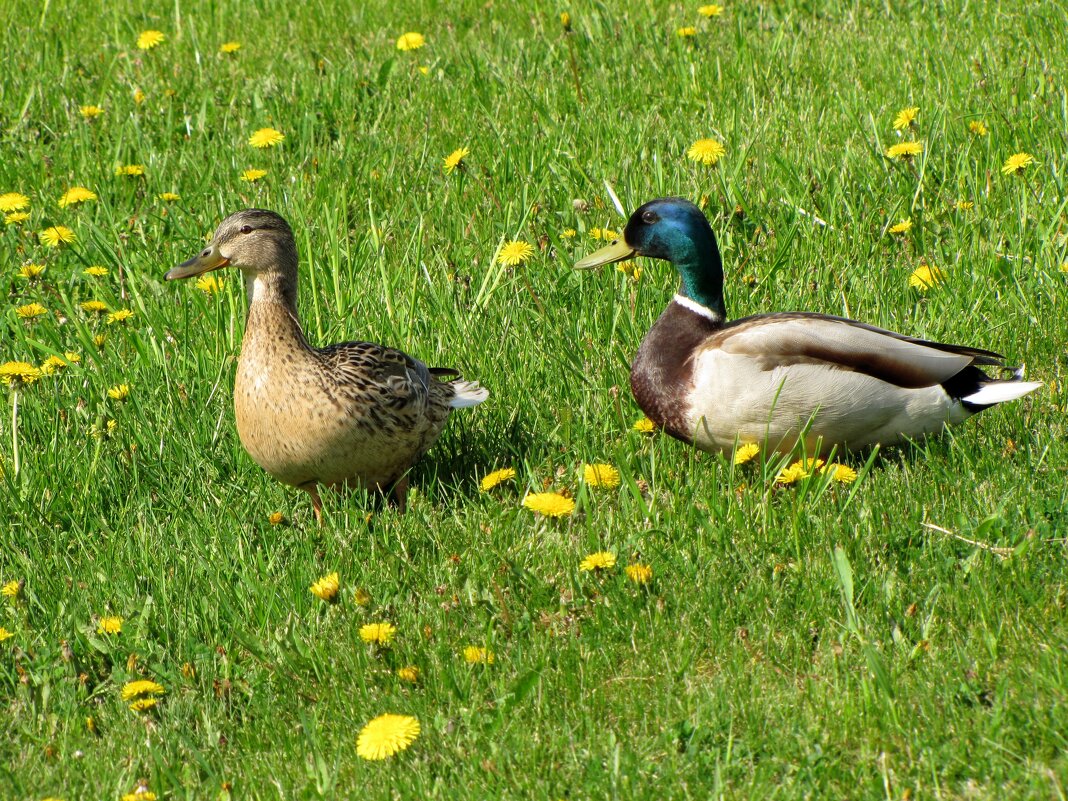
x: 246, y: 229
x: 650, y: 217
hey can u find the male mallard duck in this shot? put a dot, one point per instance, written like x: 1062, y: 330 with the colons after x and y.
x: 762, y: 379
x: 352, y: 413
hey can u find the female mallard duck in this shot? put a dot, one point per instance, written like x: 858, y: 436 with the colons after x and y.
x: 766, y: 379
x: 352, y: 413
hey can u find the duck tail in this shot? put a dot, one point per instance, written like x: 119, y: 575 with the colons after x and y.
x: 999, y: 392
x: 466, y: 394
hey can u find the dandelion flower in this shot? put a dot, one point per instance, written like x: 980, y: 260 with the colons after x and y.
x: 31, y: 311
x: 16, y: 217
x: 746, y: 452
x: 791, y: 474
x: 96, y: 271
x: 138, y: 96
x: 906, y: 117
x: 100, y: 339
x: 900, y: 228
x: 1017, y: 162
x: 109, y: 625
x: 550, y: 504
x: 266, y: 137
x: 606, y: 234
x: 141, y: 793
x: 841, y: 472
x: 93, y: 306
x: 12, y: 589
x: 925, y: 277
x: 475, y: 655
x: 639, y: 574
x: 143, y: 704
x: 208, y: 284
x: 168, y: 197
x: 687, y: 31
x: 409, y: 674
x: 601, y: 560
x: 134, y: 689
x: 378, y: 633
x: 119, y: 316
x: 53, y: 364
x: 706, y: 152
x: 491, y: 480
x: 643, y: 425
x: 88, y: 112
x: 131, y: 170
x: 515, y: 253
x: 978, y: 127
x: 326, y: 587
x: 253, y: 175
x: 5, y: 634
x: 229, y: 47
x: 18, y: 373
x: 119, y: 392
x: 74, y: 195
x: 56, y: 235
x: 386, y: 735
x: 904, y: 150
x: 276, y: 518
x: 13, y: 201
x: 600, y: 475
x: 710, y: 10
x: 964, y: 205
x: 568, y: 233
x: 149, y: 39
x: 455, y: 159
x: 630, y: 268
x: 410, y: 41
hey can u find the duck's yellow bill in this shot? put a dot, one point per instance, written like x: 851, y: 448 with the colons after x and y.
x: 206, y: 261
x: 609, y: 254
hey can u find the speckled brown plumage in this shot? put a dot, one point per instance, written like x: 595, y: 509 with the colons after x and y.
x: 354, y: 413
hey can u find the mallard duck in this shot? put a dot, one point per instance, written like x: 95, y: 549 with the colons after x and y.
x: 354, y: 413
x: 771, y: 378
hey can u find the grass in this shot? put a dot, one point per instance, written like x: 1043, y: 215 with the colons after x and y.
x: 818, y: 640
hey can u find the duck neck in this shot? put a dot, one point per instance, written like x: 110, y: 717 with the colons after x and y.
x: 701, y: 270
x: 272, y: 308
x: 272, y: 287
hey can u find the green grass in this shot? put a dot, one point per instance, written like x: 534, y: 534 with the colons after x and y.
x: 815, y: 641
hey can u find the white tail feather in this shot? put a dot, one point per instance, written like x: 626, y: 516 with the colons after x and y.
x: 1001, y: 391
x: 468, y: 393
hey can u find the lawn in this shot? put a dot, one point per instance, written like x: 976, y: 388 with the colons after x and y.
x: 903, y: 635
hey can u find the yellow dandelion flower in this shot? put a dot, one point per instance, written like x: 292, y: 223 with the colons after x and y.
x: 386, y: 735
x: 15, y: 218
x: 56, y: 235
x: 515, y: 253
x: 13, y: 201
x: 686, y: 31
x: 711, y: 10
x: 550, y: 504
x: 76, y: 194
x: 906, y: 117
x: 13, y: 589
x: 378, y: 633
x: 209, y: 284
x: 252, y: 175
x: 1064, y: 267
x: 455, y: 159
x: 639, y: 573
x: 140, y: 794
x: 644, y: 425
x: 31, y: 272
x: 841, y: 472
x: 96, y: 271
x: 978, y: 127
x: 475, y: 655
x: 143, y: 704
x: 100, y: 339
x: 600, y: 475
x: 601, y: 560
x: 326, y: 588
x: 149, y: 39
x: 606, y: 234
x: 229, y: 47
x: 746, y: 452
x: 491, y: 480
x: 168, y: 197
x: 5, y: 634
x: 410, y: 41
x: 18, y: 373
x: 630, y: 268
x: 409, y: 674
x: 93, y: 306
x: 925, y: 277
x: 791, y: 474
x: 1017, y: 162
x: 706, y: 152
x: 134, y: 689
x: 424, y: 70
x: 119, y: 392
x: 53, y: 364
x: 89, y: 112
x: 568, y: 233
x: 964, y: 205
x: 119, y: 316
x: 31, y: 311
x: 266, y: 137
x: 138, y: 96
x: 109, y: 625
x: 904, y: 150
x: 132, y: 170
x: 900, y: 228
x: 276, y: 518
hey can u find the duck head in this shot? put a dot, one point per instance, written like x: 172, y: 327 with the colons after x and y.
x: 675, y: 230
x: 259, y: 243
